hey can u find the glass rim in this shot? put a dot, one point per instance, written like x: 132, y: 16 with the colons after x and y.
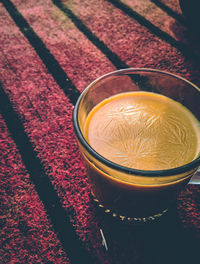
x: 131, y: 171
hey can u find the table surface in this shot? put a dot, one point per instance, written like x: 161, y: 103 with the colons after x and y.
x: 50, y: 50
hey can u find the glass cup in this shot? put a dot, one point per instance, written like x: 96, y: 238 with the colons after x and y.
x: 132, y: 195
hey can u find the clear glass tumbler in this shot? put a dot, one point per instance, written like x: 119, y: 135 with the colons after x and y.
x: 130, y: 194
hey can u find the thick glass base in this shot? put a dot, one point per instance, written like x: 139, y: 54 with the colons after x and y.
x: 131, y: 220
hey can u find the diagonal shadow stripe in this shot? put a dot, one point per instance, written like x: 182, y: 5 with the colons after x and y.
x: 45, y: 55
x: 113, y: 57
x: 184, y: 49
x: 57, y: 214
x: 169, y: 11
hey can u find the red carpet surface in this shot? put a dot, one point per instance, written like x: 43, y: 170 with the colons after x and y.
x: 50, y: 51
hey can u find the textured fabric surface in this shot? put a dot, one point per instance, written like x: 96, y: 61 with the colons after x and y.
x: 50, y: 51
